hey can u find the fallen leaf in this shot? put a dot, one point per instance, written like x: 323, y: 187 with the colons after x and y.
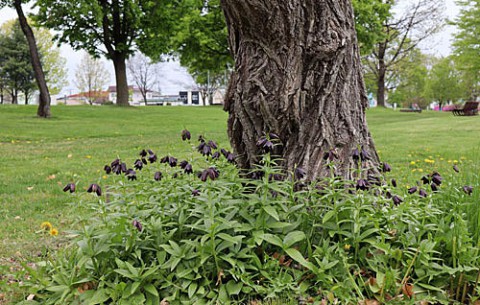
x: 17, y: 218
x: 51, y: 177
x: 407, y: 290
x: 69, y: 156
x: 30, y: 188
x: 30, y: 297
x: 164, y: 302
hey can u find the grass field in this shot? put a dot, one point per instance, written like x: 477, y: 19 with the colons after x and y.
x: 38, y: 157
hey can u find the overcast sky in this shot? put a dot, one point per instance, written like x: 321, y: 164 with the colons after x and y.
x: 175, y: 78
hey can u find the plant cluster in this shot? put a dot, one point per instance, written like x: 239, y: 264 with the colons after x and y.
x: 165, y: 235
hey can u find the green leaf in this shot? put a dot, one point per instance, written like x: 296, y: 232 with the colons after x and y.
x: 234, y: 288
x: 328, y: 216
x: 149, y: 288
x: 192, y: 289
x: 99, y: 297
x: 229, y: 238
x: 273, y: 239
x: 298, y: 257
x: 293, y: 238
x: 272, y: 212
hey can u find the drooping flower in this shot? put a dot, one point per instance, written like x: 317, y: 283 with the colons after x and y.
x: 224, y: 152
x: 386, y: 167
x: 425, y: 180
x: 330, y: 155
x: 137, y: 225
x: 356, y: 155
x: 138, y: 165
x: 69, y: 187
x: 186, y: 135
x: 423, y: 193
x: 216, y: 155
x: 434, y: 187
x: 143, y: 153
x: 412, y: 190
x: 436, y: 178
x: 152, y: 158
x: 455, y: 168
x: 265, y: 144
x: 394, y: 183
x: 397, y: 200
x: 188, y: 169
x: 210, y: 172
x: 204, y: 149
x: 212, y: 144
x: 123, y: 167
x: 157, y: 176
x: 95, y: 188
x: 231, y: 157
x: 468, y: 189
x: 299, y: 173
x: 364, y: 155
x: 131, y: 174
x: 195, y: 192
x: 107, y: 169
x: 362, y: 184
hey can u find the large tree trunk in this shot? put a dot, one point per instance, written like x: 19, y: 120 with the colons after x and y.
x: 44, y: 103
x: 119, y: 63
x: 298, y: 75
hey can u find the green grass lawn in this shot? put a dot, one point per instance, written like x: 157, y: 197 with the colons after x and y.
x: 38, y: 157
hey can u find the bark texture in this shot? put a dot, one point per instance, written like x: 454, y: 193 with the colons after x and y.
x: 44, y: 100
x: 298, y: 75
x: 119, y: 64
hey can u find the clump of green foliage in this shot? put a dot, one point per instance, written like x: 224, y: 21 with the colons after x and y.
x: 165, y: 234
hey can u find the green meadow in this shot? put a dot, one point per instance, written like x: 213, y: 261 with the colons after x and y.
x: 39, y: 157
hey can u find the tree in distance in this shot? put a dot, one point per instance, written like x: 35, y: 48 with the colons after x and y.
x: 142, y: 70
x: 90, y: 77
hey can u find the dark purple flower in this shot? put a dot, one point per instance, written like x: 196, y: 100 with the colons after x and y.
x: 152, y: 158
x: 224, y: 152
x: 204, y: 149
x: 137, y: 225
x: 183, y: 164
x: 186, y: 135
x: 468, y: 189
x: 157, y: 176
x: 436, y: 178
x: 230, y: 157
x: 144, y: 161
x: 143, y: 153
x: 131, y: 174
x: 95, y: 188
x: 412, y: 190
x: 172, y: 161
x: 434, y: 187
x: 299, y: 173
x: 388, y: 195
x: 394, y: 183
x: 175, y: 176
x: 188, y: 169
x: 397, y: 200
x: 356, y: 155
x: 375, y: 180
x: 362, y: 184
x: 212, y: 144
x: 210, y: 172
x: 123, y: 167
x: 423, y: 193
x: 425, y: 180
x: 107, y: 169
x: 150, y: 152
x: 256, y: 175
x: 275, y: 177
x: 330, y: 155
x: 115, y: 163
x: 216, y: 155
x: 364, y: 155
x: 138, y: 165
x: 69, y: 187
x: 455, y: 168
x: 117, y: 169
x: 195, y: 192
x: 265, y: 144
x: 386, y: 167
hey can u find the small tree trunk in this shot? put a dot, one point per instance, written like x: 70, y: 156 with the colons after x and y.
x: 299, y: 77
x: 44, y: 103
x: 119, y: 63
x: 382, y: 70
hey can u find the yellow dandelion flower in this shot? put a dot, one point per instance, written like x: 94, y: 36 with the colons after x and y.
x: 104, y: 176
x: 53, y: 232
x: 88, y: 157
x: 347, y: 247
x: 441, y: 159
x: 449, y: 161
x: 412, y: 163
x: 420, y: 170
x: 414, y: 170
x: 47, y: 226
x: 463, y: 158
x: 455, y: 161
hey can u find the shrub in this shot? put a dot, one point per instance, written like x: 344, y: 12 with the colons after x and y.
x: 162, y: 234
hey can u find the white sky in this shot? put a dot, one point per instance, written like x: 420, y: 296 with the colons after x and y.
x: 175, y: 78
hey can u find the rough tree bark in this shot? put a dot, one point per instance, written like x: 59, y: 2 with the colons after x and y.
x: 120, y: 66
x: 298, y: 75
x: 44, y: 100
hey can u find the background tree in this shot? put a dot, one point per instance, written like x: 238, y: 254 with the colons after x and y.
x: 44, y: 98
x: 16, y: 68
x: 142, y: 71
x: 445, y: 82
x: 299, y: 78
x: 90, y: 77
x: 402, y: 34
x: 466, y: 45
x: 110, y: 28
x: 409, y: 81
